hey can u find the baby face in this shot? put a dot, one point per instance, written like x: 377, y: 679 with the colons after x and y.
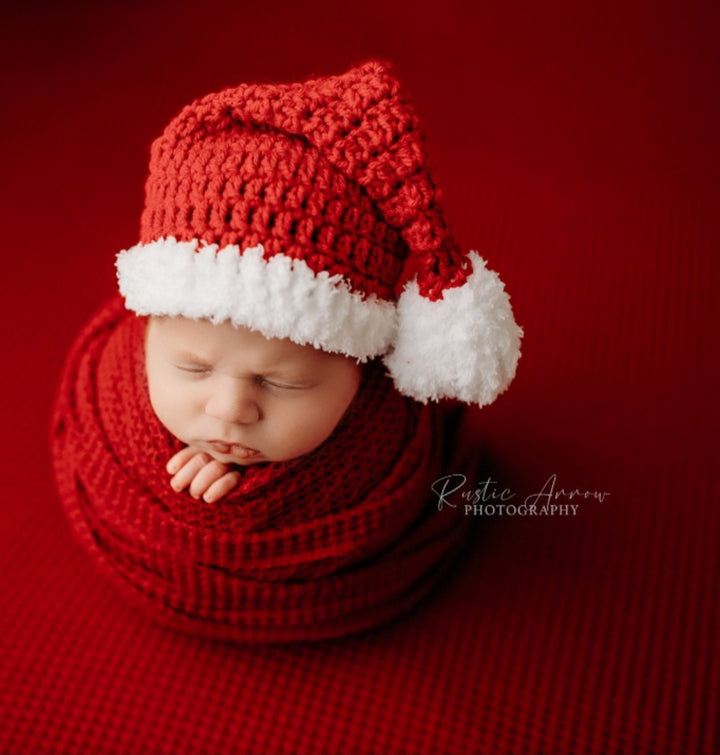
x: 241, y: 397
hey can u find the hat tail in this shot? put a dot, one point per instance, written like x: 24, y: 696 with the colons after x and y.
x: 465, y: 345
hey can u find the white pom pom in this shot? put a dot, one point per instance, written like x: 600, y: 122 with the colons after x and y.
x: 464, y: 346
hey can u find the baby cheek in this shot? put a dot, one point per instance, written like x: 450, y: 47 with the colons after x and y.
x: 283, y: 433
x: 316, y: 426
x: 176, y: 405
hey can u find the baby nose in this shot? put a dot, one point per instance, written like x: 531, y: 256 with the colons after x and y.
x: 233, y: 401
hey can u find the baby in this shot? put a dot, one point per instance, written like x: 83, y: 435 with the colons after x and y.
x: 294, y: 303
x: 237, y: 398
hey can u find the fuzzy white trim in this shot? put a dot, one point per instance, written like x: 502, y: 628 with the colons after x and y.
x: 279, y: 297
x: 465, y: 345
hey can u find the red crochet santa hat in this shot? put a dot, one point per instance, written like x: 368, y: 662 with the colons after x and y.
x: 307, y: 211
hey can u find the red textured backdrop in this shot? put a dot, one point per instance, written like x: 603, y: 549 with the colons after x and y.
x: 577, y: 148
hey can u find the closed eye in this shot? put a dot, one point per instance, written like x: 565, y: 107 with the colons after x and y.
x: 194, y: 369
x: 264, y: 382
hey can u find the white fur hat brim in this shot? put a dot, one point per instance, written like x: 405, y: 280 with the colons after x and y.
x: 465, y: 345
x: 279, y: 297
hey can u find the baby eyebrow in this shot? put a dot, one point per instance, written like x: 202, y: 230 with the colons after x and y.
x: 188, y: 356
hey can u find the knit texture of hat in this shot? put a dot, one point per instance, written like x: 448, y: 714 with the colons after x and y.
x: 307, y: 211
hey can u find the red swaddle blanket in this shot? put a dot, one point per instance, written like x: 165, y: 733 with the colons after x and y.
x: 331, y: 543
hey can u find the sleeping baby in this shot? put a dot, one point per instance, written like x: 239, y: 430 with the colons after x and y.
x: 245, y: 438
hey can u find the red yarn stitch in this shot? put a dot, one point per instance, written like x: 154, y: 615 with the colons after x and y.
x: 331, y: 171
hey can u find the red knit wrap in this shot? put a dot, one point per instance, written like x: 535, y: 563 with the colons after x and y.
x: 335, y: 542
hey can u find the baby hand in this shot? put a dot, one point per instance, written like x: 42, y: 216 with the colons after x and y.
x: 204, y: 475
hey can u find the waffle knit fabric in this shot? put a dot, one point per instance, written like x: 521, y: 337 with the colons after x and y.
x: 332, y: 543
